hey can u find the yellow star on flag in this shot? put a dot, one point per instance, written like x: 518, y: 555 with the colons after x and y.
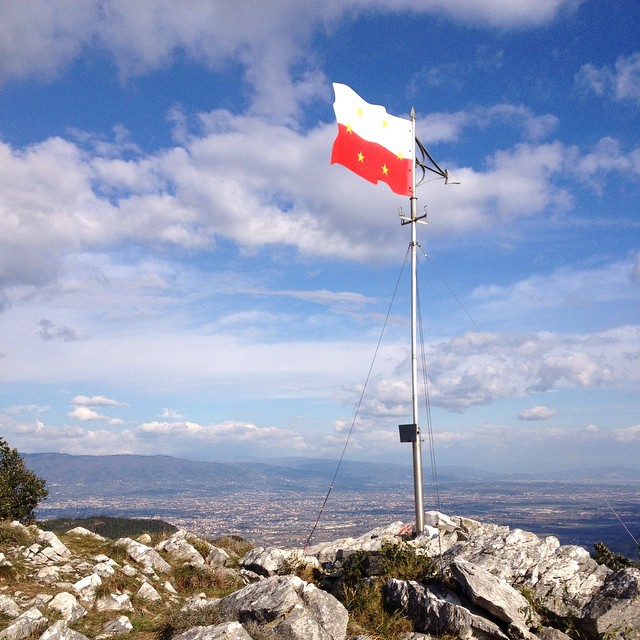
x: 360, y: 157
x: 385, y: 170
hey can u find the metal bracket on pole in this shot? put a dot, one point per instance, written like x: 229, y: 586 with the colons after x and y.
x: 405, y: 220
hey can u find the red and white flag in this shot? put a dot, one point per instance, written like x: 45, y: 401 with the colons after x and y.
x: 372, y: 143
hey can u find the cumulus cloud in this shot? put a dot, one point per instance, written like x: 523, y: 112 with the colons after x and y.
x: 170, y: 413
x: 187, y: 196
x: 537, y: 413
x: 85, y: 414
x: 628, y: 434
x: 480, y: 368
x: 41, y: 39
x: 620, y: 82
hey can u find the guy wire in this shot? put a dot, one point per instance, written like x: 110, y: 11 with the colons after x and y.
x: 364, y: 388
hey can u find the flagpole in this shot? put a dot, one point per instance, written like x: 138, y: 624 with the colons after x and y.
x: 416, y: 444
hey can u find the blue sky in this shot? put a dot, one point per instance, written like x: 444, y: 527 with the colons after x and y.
x: 183, y: 272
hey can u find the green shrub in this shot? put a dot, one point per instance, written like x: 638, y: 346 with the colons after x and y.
x: 15, y: 536
x: 21, y: 490
x: 398, y: 561
x: 603, y: 555
x: 363, y: 582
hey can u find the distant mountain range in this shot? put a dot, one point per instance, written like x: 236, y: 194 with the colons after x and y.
x: 124, y: 474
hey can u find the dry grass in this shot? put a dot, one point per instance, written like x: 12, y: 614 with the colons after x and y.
x: 213, y: 581
x: 176, y: 621
x: 83, y: 545
x: 235, y: 546
x: 260, y: 631
x: 367, y: 614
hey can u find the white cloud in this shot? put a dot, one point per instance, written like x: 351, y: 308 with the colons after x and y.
x: 480, y: 369
x: 620, y: 82
x: 85, y: 414
x: 434, y: 128
x: 537, y: 413
x: 627, y: 434
x: 170, y: 413
x: 269, y: 39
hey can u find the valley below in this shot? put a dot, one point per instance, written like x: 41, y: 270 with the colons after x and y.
x: 280, y: 503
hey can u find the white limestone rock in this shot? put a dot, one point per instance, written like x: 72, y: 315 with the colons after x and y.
x: 224, y: 631
x: 148, y: 592
x: 30, y: 624
x: 274, y: 561
x: 104, y: 569
x: 170, y: 588
x: 494, y: 595
x: 81, y: 531
x: 120, y: 626
x: 438, y: 611
x: 60, y: 631
x: 48, y: 574
x: 180, y: 549
x: 86, y: 587
x: 52, y: 540
x: 8, y: 607
x: 614, y: 612
x: 114, y: 602
x: 217, y: 557
x: 68, y: 607
x: 300, y: 611
x: 149, y: 558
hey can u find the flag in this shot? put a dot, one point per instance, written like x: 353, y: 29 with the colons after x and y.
x: 372, y: 143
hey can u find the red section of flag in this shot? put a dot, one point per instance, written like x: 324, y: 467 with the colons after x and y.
x: 372, y: 161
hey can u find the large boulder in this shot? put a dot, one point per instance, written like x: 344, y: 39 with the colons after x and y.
x: 146, y: 556
x: 66, y: 605
x: 332, y: 553
x: 563, y: 579
x: 439, y: 612
x: 29, y: 625
x: 180, y: 549
x: 60, y: 631
x: 270, y: 561
x: 294, y: 609
x: 614, y: 612
x: 494, y: 595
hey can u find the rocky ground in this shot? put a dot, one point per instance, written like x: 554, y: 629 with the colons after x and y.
x: 460, y: 579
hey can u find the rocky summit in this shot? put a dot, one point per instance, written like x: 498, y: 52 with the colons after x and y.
x: 483, y: 581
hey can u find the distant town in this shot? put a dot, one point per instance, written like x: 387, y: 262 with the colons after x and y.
x: 281, y: 504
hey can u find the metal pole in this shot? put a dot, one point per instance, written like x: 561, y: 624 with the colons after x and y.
x: 416, y: 445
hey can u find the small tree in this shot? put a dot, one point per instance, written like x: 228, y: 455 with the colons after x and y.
x: 20, y: 489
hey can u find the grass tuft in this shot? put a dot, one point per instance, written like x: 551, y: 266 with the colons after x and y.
x: 178, y: 620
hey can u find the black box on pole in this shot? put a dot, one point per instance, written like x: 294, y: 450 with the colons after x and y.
x: 408, y: 432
